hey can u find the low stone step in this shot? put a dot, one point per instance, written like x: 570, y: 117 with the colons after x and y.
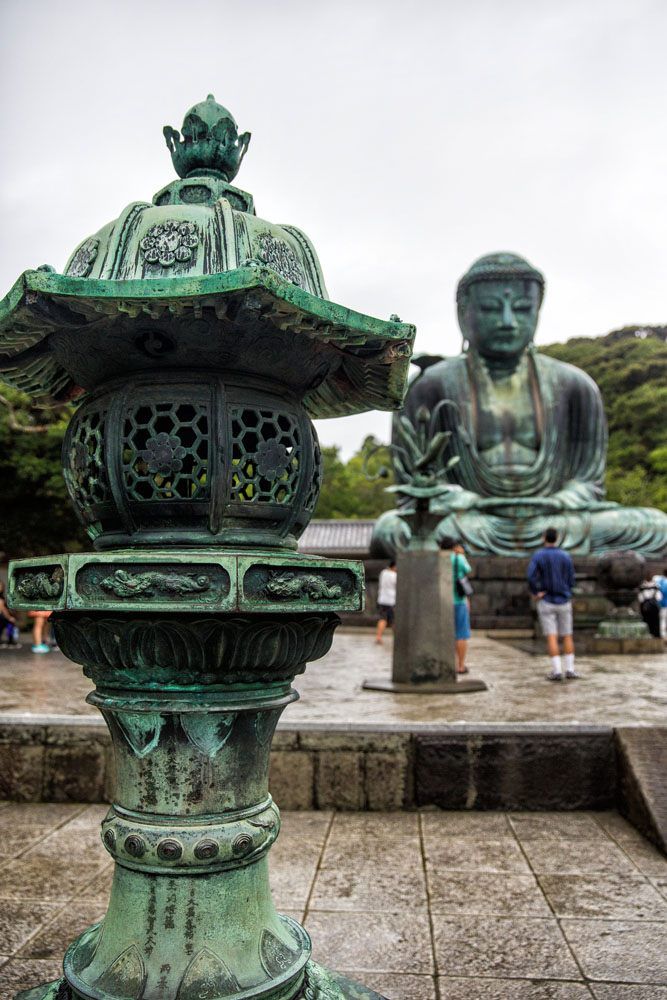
x: 488, y: 622
x: 642, y: 789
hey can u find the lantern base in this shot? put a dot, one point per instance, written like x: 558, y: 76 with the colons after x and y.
x: 320, y: 984
x: 428, y: 687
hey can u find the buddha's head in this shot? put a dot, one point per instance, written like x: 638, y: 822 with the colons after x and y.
x: 499, y: 300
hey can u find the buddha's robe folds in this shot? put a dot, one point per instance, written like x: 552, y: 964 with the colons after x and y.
x: 503, y: 509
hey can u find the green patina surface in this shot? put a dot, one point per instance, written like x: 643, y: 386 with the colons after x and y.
x: 199, y: 342
x: 529, y: 433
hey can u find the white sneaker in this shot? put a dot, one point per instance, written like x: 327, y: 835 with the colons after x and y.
x: 555, y: 675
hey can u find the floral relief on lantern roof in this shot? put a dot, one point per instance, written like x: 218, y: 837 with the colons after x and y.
x: 280, y: 256
x: 84, y: 258
x: 169, y: 243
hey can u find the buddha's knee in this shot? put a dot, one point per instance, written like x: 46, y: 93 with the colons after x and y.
x: 643, y: 529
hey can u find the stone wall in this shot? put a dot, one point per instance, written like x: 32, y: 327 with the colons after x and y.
x: 317, y: 766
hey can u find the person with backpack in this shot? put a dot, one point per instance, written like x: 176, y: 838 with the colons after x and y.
x: 649, y: 598
x: 551, y: 578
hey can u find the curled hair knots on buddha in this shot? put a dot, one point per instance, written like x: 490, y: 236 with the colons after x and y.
x: 499, y: 267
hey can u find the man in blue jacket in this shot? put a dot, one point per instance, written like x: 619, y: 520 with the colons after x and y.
x: 551, y: 579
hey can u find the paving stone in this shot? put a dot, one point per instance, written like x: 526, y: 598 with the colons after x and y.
x: 19, y: 920
x: 383, y: 838
x: 644, y: 855
x: 503, y: 989
x: 569, y: 844
x: 23, y: 824
x: 474, y: 854
x: 371, y: 942
x: 484, y: 893
x: 555, y: 826
x: 444, y: 824
x: 499, y: 946
x: 78, y: 840
x: 619, y: 950
x: 44, y: 878
x: 19, y: 974
x: 624, y: 991
x: 302, y: 827
x: 55, y: 938
x: 619, y: 897
x: 397, y: 987
x: 291, y: 884
x: 367, y: 886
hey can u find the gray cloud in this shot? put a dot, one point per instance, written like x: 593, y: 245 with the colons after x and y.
x: 406, y: 139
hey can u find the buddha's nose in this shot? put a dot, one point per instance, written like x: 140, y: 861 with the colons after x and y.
x: 508, y: 321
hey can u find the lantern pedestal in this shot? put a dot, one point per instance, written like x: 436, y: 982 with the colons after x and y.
x: 191, y: 696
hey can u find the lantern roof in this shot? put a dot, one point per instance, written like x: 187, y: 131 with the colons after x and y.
x: 199, y: 273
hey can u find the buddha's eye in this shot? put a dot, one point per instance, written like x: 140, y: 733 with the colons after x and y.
x: 489, y: 305
x: 521, y: 306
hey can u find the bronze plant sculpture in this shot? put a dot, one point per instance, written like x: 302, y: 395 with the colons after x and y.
x: 200, y: 342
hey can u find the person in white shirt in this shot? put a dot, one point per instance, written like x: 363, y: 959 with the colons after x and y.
x: 386, y: 600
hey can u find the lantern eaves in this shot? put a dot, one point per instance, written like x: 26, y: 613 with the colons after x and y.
x: 61, y: 336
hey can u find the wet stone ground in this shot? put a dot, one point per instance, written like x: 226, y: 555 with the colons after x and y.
x: 419, y: 906
x: 614, y: 690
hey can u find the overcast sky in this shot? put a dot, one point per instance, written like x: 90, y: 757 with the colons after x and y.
x: 406, y: 139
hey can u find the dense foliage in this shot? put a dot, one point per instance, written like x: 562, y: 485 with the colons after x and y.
x: 354, y: 489
x: 630, y: 366
x: 35, y: 514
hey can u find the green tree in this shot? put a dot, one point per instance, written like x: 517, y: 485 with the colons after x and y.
x: 35, y: 514
x: 630, y: 366
x: 347, y: 492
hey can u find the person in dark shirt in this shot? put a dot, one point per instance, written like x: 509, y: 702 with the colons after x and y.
x: 551, y: 578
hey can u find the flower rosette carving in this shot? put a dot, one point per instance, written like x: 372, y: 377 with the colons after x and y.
x: 272, y: 459
x: 279, y: 256
x: 169, y: 243
x: 84, y: 258
x: 163, y: 454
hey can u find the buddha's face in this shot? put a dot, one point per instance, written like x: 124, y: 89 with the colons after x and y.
x: 499, y: 318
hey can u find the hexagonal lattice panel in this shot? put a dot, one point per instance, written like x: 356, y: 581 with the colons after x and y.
x: 166, y: 450
x: 316, y: 481
x: 84, y: 469
x: 266, y: 455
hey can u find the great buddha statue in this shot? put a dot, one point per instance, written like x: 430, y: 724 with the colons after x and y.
x: 529, y: 432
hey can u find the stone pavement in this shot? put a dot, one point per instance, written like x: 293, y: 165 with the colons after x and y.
x: 615, y: 690
x: 420, y: 906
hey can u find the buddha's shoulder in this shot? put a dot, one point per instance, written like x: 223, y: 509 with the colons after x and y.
x: 438, y: 371
x: 565, y: 373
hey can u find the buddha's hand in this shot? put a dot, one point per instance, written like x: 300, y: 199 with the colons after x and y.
x: 454, y: 499
x: 576, y: 495
x: 520, y: 506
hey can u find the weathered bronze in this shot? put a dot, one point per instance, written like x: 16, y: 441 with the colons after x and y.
x: 529, y: 431
x: 200, y: 342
